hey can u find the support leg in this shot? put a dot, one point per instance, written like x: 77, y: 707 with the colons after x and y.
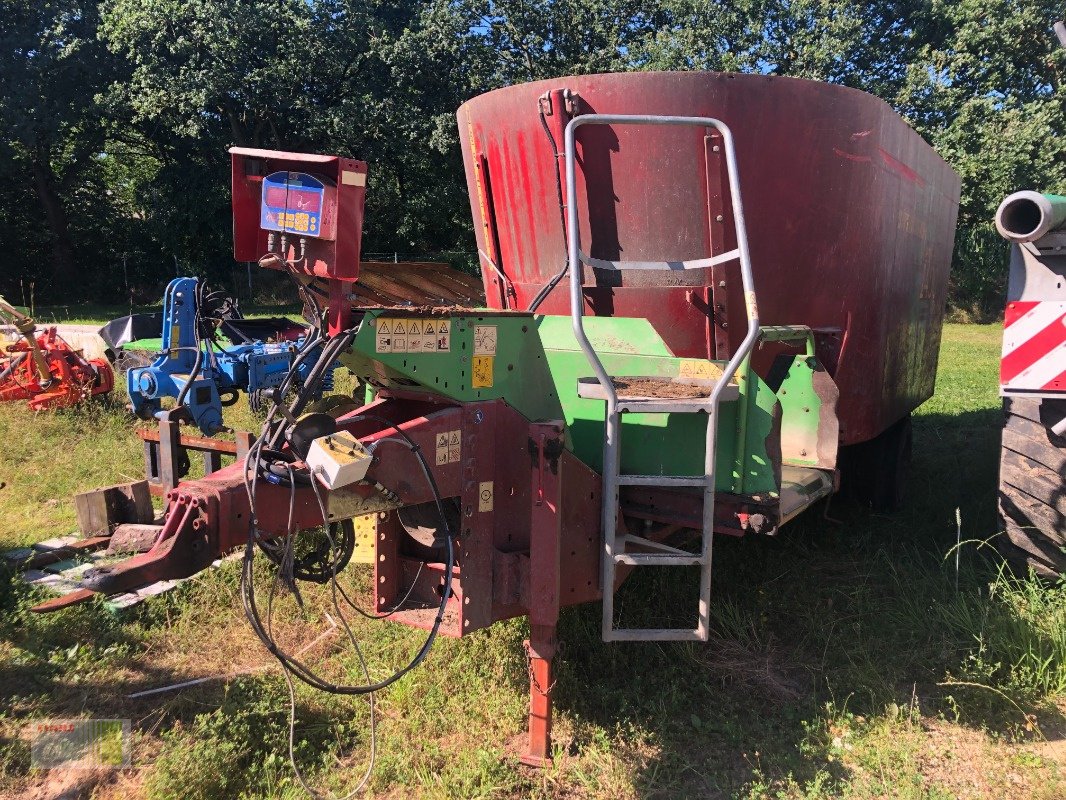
x: 544, y: 591
x: 540, y: 649
x: 169, y: 448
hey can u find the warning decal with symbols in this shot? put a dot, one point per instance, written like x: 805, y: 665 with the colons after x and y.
x: 449, y: 447
x: 384, y: 340
x: 444, y: 340
x: 481, y: 372
x: 413, y: 335
x: 484, y: 340
x: 699, y: 369
x: 399, y: 335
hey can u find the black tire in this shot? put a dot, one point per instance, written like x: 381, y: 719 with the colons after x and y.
x: 1032, y: 487
x: 874, y: 473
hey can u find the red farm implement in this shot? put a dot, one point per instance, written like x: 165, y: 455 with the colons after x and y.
x: 44, y: 370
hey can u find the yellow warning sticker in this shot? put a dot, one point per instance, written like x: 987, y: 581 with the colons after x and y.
x: 484, y: 496
x: 753, y: 308
x: 481, y: 375
x: 449, y: 447
x: 699, y: 369
x: 485, y: 340
x: 384, y: 336
x: 399, y: 335
x: 444, y: 335
x: 365, y: 528
x: 415, y: 334
x: 175, y: 336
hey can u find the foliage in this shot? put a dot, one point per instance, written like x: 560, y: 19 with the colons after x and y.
x: 117, y: 115
x: 986, y: 89
x: 56, y: 202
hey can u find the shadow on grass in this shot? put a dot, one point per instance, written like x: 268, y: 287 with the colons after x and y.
x: 855, y: 615
x: 828, y: 618
x: 217, y: 739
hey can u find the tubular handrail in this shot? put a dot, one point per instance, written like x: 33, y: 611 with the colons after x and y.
x: 612, y: 450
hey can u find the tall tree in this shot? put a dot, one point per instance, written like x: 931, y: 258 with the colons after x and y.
x: 52, y: 70
x: 986, y: 89
x: 378, y: 81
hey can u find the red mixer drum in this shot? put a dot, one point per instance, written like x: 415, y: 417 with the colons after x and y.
x: 850, y: 217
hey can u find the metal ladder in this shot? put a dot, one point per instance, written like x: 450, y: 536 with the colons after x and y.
x: 614, y: 546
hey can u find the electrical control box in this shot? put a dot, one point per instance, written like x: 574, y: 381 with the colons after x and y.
x: 338, y: 459
x: 304, y: 209
x: 300, y: 204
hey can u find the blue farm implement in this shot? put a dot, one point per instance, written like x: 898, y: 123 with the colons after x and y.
x: 204, y: 375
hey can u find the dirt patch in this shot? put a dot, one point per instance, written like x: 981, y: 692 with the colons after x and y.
x: 658, y: 387
x: 75, y: 784
x: 968, y: 765
x: 1053, y: 748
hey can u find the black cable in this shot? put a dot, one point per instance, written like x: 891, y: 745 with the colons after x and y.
x: 308, y: 298
x: 558, y: 182
x: 330, y: 351
x: 313, y: 339
x: 547, y: 288
x: 247, y: 588
x: 402, y: 602
x: 304, y: 673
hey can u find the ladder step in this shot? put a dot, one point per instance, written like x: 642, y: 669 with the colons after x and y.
x: 654, y: 635
x: 662, y: 480
x: 664, y: 403
x: 657, y: 559
x: 695, y: 405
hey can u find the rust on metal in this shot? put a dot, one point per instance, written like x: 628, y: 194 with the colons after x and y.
x: 850, y: 217
x: 425, y: 284
x: 64, y: 601
x: 42, y: 557
x: 633, y: 388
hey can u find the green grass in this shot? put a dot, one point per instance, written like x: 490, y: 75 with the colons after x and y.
x: 850, y: 658
x: 97, y: 314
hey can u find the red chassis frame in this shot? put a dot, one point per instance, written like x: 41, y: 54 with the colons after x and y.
x: 528, y: 541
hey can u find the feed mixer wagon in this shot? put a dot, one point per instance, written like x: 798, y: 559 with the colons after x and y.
x: 704, y: 293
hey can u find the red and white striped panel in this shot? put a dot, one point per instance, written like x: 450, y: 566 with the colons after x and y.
x: 1034, y: 346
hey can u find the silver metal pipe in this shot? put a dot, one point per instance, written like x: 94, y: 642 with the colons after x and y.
x: 1027, y: 215
x: 612, y: 450
x: 1059, y: 428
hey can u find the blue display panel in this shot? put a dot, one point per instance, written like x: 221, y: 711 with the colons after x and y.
x: 292, y: 203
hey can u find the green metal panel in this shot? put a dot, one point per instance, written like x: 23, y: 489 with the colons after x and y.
x: 801, y: 408
x: 535, y: 365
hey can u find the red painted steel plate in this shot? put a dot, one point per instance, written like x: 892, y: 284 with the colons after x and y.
x: 850, y: 214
